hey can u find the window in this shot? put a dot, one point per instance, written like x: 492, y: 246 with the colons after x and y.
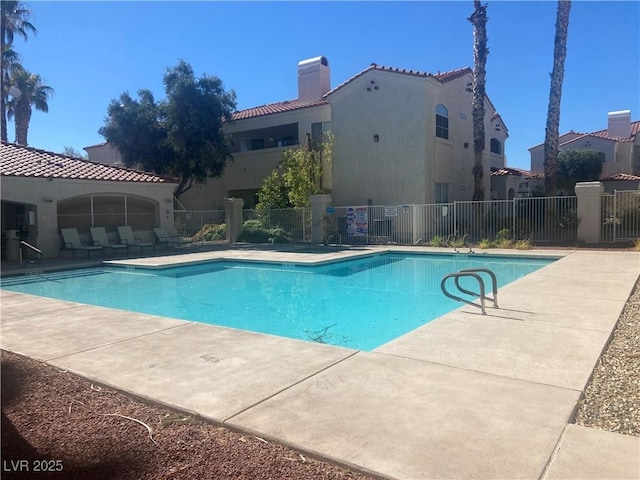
x: 442, y: 193
x: 496, y: 146
x: 442, y: 121
x: 318, y: 130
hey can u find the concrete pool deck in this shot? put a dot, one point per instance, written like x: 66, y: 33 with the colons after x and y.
x: 464, y: 396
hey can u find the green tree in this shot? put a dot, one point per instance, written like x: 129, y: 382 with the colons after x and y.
x: 72, y: 152
x: 299, y: 175
x: 555, y: 95
x: 136, y: 127
x: 32, y: 94
x: 180, y: 136
x: 480, y: 51
x: 274, y: 192
x: 14, y: 20
x: 578, y: 166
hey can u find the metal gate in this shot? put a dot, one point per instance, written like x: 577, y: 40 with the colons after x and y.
x: 620, y: 216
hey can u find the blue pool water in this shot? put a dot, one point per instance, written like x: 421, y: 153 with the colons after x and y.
x: 359, y: 304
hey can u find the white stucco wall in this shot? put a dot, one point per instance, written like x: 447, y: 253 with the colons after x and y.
x: 44, y: 195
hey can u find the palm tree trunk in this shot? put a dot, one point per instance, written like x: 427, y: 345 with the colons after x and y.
x: 480, y: 52
x: 3, y: 98
x: 555, y: 94
x: 22, y: 119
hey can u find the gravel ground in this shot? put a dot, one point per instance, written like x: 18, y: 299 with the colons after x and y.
x: 612, y: 397
x: 98, y: 433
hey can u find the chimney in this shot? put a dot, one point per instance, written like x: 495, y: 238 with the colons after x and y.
x: 619, y: 125
x: 313, y: 79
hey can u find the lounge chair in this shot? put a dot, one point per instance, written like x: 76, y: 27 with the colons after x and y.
x: 127, y: 238
x: 165, y: 239
x: 99, y: 236
x: 72, y: 242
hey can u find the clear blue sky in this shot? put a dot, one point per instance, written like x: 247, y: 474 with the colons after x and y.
x: 90, y: 52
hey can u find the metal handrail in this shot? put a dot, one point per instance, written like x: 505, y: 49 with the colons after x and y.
x: 472, y: 273
x: 30, y: 247
x: 494, y: 284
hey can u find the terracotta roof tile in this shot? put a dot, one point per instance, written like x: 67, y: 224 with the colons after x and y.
x: 516, y: 172
x: 272, y: 108
x: 21, y: 161
x: 442, y: 77
x: 622, y: 176
x: 635, y: 129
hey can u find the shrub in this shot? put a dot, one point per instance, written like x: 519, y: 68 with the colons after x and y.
x: 438, y: 241
x: 486, y: 243
x: 211, y: 232
x: 522, y: 245
x: 253, y: 232
x: 637, y: 244
x: 503, y: 239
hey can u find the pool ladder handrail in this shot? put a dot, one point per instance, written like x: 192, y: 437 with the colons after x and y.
x: 36, y: 250
x: 472, y: 273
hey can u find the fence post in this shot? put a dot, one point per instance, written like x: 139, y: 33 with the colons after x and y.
x: 589, y: 211
x: 233, y: 217
x: 319, y: 204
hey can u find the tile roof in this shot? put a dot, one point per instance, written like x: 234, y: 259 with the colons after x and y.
x: 622, y: 176
x: 516, y: 172
x: 635, y: 129
x: 271, y: 108
x: 441, y: 77
x: 20, y: 161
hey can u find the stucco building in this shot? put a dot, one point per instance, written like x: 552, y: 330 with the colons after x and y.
x: 43, y: 192
x: 618, y: 145
x: 401, y: 137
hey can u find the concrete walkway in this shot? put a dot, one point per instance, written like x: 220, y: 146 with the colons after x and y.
x: 464, y: 396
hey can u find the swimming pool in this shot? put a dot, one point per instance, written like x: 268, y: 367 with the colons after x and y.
x: 361, y: 303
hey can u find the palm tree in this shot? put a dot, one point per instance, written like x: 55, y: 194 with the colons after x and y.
x: 14, y: 20
x: 553, y: 112
x: 480, y: 51
x: 33, y: 93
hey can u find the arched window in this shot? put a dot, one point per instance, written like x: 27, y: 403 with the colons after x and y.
x: 496, y: 146
x: 442, y: 121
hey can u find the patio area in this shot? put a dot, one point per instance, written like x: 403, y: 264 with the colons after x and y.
x: 464, y: 396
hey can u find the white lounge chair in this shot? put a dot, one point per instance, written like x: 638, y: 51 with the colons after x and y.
x: 127, y: 238
x: 100, y: 238
x: 165, y: 239
x: 72, y: 242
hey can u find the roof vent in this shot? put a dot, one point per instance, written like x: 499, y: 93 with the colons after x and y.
x: 313, y: 79
x: 619, y: 125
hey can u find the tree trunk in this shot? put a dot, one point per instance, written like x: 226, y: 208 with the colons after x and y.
x: 553, y: 112
x: 22, y: 118
x: 480, y: 52
x: 3, y: 98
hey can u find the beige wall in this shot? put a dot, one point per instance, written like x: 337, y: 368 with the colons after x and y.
x: 104, y: 154
x: 42, y: 195
x: 248, y: 169
x: 619, y: 156
x: 408, y: 160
